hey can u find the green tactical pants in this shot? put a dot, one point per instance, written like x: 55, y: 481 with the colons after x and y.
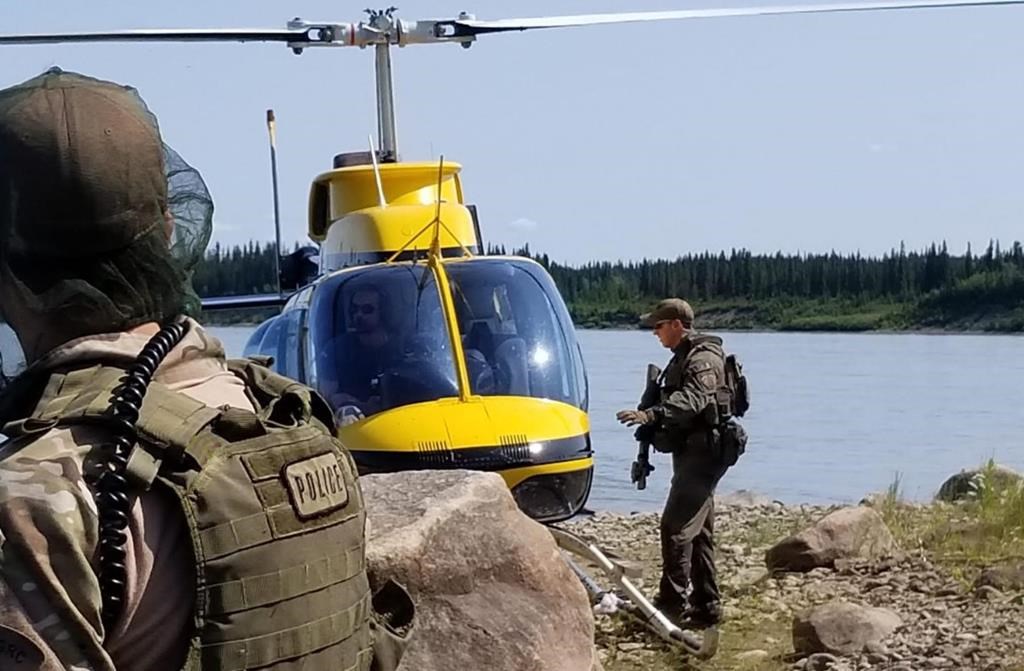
x: 687, y: 530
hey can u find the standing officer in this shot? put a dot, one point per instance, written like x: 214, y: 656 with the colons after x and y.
x: 683, y: 419
x: 160, y: 507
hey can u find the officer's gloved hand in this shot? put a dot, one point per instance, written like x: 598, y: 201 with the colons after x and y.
x: 635, y: 417
x: 348, y: 414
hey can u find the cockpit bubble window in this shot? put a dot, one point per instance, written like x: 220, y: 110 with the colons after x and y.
x: 516, y: 333
x: 379, y: 340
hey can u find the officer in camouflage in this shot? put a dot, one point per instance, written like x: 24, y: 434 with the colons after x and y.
x: 99, y: 223
x: 681, y: 417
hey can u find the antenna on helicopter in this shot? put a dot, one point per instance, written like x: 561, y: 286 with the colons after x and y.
x: 376, y: 174
x: 435, y: 243
x: 272, y: 132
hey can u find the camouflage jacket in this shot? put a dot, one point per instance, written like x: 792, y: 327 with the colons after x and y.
x: 49, y: 591
x: 689, y: 382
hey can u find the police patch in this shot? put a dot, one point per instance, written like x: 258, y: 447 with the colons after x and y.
x: 316, y: 485
x: 707, y: 380
x: 17, y: 651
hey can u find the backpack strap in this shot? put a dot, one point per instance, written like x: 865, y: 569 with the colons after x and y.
x: 169, y: 425
x: 722, y: 396
x: 78, y: 395
x: 702, y: 342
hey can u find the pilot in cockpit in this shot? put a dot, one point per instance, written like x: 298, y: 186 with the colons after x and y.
x: 362, y: 354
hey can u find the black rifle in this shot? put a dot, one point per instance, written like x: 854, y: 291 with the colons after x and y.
x: 644, y: 435
x: 642, y: 466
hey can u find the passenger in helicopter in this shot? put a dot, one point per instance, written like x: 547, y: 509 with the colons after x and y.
x: 496, y: 353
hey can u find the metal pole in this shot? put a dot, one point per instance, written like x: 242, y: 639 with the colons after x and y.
x: 272, y: 131
x: 386, y: 127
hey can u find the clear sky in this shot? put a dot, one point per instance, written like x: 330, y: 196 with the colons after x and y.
x: 793, y: 133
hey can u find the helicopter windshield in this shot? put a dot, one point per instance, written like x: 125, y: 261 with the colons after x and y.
x: 517, y: 335
x: 380, y: 340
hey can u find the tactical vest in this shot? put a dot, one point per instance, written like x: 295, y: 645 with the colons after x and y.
x: 671, y: 439
x: 273, y: 508
x: 719, y: 434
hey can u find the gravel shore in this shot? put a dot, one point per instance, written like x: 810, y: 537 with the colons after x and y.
x: 947, y: 622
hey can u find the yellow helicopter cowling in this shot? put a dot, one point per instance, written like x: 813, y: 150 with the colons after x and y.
x: 547, y: 461
x: 372, y: 235
x: 354, y: 217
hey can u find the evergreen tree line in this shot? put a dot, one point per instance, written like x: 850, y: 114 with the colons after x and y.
x: 897, y: 276
x: 931, y: 279
x: 240, y: 270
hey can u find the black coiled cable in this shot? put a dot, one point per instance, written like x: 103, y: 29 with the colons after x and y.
x: 111, y: 486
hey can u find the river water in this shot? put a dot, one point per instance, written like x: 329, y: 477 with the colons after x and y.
x: 833, y: 416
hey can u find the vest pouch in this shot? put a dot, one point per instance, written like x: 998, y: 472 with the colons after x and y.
x: 731, y: 442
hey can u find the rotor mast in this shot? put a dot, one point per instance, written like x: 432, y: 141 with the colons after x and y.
x: 387, y: 127
x: 383, y: 30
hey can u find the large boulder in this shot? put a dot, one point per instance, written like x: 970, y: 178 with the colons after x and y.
x: 967, y: 483
x: 842, y: 628
x: 490, y: 586
x: 848, y: 533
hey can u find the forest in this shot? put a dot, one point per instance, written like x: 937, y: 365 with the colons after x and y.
x: 929, y: 289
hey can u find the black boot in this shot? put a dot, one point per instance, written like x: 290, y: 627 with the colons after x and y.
x: 702, y: 616
x: 670, y: 606
x: 669, y: 600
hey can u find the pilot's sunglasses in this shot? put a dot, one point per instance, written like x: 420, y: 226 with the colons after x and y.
x: 364, y: 308
x: 658, y: 325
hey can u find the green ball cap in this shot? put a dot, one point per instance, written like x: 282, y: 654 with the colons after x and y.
x: 668, y: 309
x: 81, y: 167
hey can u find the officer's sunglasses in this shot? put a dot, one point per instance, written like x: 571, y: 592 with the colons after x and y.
x: 362, y: 308
x: 658, y: 325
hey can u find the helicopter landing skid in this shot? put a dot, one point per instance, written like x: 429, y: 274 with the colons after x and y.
x: 634, y: 603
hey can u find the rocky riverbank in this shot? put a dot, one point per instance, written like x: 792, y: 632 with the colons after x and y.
x: 933, y: 604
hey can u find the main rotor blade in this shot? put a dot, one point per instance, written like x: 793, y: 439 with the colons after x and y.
x: 197, y: 35
x: 300, y: 34
x: 469, y: 27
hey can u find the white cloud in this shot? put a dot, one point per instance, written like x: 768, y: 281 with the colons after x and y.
x: 221, y: 227
x: 880, y: 148
x: 523, y: 224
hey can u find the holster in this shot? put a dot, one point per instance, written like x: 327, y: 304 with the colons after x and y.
x: 392, y: 624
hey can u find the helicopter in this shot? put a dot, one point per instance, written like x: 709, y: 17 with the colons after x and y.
x: 433, y: 353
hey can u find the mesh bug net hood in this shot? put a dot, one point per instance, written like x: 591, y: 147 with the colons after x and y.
x: 100, y: 221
